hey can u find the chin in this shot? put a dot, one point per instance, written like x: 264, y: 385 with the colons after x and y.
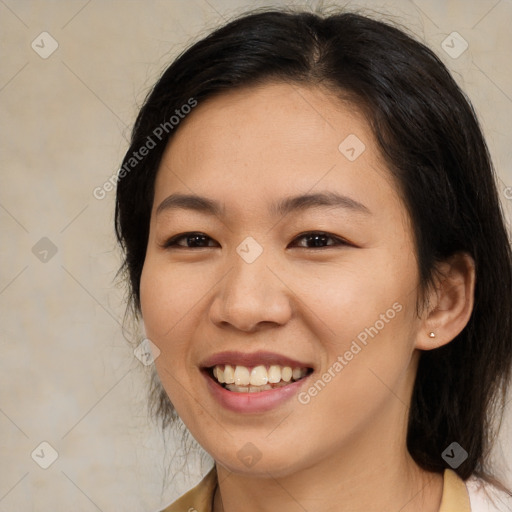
x: 252, y: 462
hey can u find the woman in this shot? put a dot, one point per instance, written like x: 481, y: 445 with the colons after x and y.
x: 314, y: 241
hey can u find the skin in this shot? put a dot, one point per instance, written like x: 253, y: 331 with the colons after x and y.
x: 345, y: 450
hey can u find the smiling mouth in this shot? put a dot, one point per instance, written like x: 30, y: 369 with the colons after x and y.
x: 246, y: 379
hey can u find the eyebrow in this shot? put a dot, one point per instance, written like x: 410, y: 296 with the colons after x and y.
x: 282, y: 207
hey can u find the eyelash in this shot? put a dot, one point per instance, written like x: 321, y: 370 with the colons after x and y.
x: 172, y: 242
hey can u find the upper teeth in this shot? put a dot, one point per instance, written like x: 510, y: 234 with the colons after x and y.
x: 258, y: 375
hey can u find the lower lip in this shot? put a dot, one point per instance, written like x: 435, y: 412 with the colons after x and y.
x: 260, y: 401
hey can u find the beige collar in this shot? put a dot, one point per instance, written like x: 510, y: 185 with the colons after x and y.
x: 200, y: 498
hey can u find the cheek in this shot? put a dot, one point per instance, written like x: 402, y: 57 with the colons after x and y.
x: 352, y: 295
x: 368, y: 360
x: 369, y: 309
x: 167, y: 300
x: 168, y: 295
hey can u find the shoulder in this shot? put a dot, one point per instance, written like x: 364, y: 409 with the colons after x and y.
x: 198, y: 499
x: 485, y: 497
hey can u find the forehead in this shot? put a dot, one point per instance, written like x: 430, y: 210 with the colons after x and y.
x: 263, y: 142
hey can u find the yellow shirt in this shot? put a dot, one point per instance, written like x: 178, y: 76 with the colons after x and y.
x: 200, y: 498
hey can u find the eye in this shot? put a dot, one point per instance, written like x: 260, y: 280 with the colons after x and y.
x: 319, y: 239
x: 189, y: 241
x: 312, y: 239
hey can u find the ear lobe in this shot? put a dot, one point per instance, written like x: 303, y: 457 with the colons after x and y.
x: 450, y: 302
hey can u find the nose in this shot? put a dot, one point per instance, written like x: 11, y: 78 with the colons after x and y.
x: 251, y: 296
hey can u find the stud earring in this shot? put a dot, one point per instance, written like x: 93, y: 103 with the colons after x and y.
x: 432, y: 334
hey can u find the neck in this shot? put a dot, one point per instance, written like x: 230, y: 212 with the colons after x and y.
x: 334, y: 488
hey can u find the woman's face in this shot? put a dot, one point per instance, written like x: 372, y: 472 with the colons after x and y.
x: 299, y: 255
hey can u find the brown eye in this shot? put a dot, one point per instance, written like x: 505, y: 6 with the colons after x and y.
x: 319, y: 239
x: 189, y: 241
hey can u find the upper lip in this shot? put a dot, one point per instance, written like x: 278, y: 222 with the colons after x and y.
x: 253, y: 359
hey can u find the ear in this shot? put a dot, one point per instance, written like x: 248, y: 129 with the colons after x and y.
x: 450, y: 302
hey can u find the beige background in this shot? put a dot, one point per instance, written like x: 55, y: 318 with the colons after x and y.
x: 67, y: 375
